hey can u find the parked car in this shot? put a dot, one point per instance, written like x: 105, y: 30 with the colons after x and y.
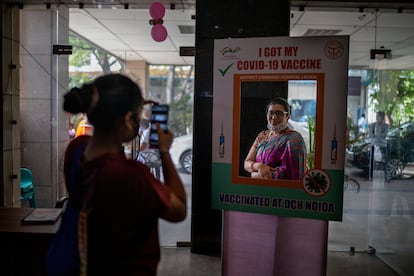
x: 358, y: 154
x: 400, y: 151
x: 182, y: 152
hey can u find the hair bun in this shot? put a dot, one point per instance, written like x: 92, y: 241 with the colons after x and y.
x: 76, y: 100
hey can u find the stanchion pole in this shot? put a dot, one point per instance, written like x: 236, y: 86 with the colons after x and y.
x: 371, y: 164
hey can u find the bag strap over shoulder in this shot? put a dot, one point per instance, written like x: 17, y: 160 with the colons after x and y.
x: 83, y: 240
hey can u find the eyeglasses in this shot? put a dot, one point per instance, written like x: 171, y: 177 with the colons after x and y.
x: 278, y: 113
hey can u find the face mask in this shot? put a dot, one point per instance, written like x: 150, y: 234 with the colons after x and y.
x: 279, y: 128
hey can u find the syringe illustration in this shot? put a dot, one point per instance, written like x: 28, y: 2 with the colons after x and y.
x: 334, y: 147
x: 221, y: 145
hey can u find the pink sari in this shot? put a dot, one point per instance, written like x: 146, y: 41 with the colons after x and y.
x: 285, y: 153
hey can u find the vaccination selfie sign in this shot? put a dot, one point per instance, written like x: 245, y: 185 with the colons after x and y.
x: 313, y: 73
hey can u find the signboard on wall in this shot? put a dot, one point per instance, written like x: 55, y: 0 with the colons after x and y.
x: 313, y: 70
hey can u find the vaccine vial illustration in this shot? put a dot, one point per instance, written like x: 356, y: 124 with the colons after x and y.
x: 334, y: 147
x: 221, y: 145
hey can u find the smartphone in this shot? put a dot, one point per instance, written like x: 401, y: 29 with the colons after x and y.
x: 159, y: 114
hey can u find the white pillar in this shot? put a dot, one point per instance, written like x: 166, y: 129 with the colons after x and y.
x: 43, y: 81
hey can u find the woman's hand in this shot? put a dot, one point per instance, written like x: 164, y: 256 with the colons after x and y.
x: 263, y: 171
x: 165, y: 139
x: 177, y: 209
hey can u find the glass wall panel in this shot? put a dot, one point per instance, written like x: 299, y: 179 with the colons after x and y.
x: 173, y: 85
x: 378, y: 191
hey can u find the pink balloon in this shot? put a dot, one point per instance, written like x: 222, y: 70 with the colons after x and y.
x: 159, y: 33
x: 157, y: 10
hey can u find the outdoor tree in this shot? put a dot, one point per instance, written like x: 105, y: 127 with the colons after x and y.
x: 106, y: 60
x: 173, y: 85
x: 82, y: 56
x: 394, y: 95
x: 181, y: 119
x: 182, y: 105
x: 405, y: 94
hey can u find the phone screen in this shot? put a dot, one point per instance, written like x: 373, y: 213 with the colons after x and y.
x: 159, y: 114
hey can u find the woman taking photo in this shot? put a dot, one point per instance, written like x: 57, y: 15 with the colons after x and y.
x: 110, y: 225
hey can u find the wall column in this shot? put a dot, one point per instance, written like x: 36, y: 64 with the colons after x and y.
x: 137, y: 70
x: 220, y: 19
x: 10, y: 161
x: 252, y: 244
x: 43, y: 81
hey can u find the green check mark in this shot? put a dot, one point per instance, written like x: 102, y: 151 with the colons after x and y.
x: 224, y: 71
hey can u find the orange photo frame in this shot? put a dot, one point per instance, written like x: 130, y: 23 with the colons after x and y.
x: 236, y: 158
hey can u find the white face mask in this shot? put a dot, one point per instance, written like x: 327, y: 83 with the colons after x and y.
x: 279, y: 128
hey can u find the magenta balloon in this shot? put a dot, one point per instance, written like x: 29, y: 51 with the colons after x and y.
x: 157, y: 10
x: 159, y: 33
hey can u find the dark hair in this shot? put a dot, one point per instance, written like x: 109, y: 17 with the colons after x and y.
x: 280, y: 101
x: 105, y: 100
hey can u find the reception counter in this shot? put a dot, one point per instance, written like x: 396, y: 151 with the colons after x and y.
x: 23, y: 248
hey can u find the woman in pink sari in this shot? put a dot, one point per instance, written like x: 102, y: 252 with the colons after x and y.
x: 278, y: 152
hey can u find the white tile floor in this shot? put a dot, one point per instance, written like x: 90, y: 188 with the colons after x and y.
x: 381, y: 215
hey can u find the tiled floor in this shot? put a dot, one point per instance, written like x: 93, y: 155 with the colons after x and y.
x: 180, y: 262
x: 378, y: 223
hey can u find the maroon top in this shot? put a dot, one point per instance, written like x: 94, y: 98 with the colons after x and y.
x: 126, y: 201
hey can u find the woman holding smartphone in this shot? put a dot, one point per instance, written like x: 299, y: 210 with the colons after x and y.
x: 110, y: 225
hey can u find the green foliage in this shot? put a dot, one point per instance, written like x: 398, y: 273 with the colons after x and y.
x: 78, y: 79
x: 311, y: 151
x: 312, y: 128
x: 173, y: 84
x: 394, y: 95
x: 181, y: 115
x: 81, y: 54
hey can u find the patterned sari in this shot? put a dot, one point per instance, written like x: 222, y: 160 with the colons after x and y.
x: 285, y: 153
